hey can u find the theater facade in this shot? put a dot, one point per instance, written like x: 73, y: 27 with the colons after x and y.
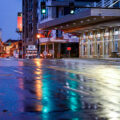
x: 100, y: 42
x: 98, y: 30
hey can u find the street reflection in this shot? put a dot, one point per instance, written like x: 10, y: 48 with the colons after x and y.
x: 21, y: 96
x: 66, y: 95
x: 110, y: 78
x: 38, y: 62
x: 21, y: 83
x: 104, y: 85
x: 42, y: 90
x: 38, y: 84
x: 73, y: 98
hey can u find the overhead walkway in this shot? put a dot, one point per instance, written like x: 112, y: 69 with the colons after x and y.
x: 95, y: 17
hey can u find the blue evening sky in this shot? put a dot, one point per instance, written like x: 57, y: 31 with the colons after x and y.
x: 8, y: 18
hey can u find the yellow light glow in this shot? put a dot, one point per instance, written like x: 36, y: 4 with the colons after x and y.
x: 38, y: 83
x: 38, y: 36
x: 38, y: 86
x: 109, y: 80
x: 38, y: 89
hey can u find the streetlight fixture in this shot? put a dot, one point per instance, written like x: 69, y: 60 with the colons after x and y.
x: 38, y: 45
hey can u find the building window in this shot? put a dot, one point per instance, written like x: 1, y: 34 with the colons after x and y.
x: 58, y: 33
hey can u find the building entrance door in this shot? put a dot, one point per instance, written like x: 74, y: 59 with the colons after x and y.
x: 98, y: 49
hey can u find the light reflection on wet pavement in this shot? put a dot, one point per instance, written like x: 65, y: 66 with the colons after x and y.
x: 59, y: 90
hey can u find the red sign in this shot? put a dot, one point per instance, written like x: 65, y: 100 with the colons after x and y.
x: 69, y: 48
x: 19, y: 22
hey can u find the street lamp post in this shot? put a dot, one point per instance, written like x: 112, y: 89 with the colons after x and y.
x: 38, y: 46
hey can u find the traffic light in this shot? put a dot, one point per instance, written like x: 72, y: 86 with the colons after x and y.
x: 72, y: 7
x: 43, y: 8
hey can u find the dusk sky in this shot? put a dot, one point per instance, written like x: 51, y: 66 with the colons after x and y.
x: 8, y: 18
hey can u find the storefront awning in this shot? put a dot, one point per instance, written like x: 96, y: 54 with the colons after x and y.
x: 84, y: 19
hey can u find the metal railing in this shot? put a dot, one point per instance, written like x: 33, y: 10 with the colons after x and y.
x: 101, y: 4
x: 107, y: 3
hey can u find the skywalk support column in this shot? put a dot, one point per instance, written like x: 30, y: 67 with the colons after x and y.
x: 59, y: 49
x: 80, y: 52
x: 53, y: 50
x: 111, y: 39
x: 95, y: 44
x: 82, y: 49
x: 103, y: 45
x: 45, y: 48
x: 88, y: 46
x: 107, y: 43
x: 119, y: 41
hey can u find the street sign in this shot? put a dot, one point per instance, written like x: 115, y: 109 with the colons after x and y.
x: 31, y: 47
x: 68, y: 48
x: 45, y: 53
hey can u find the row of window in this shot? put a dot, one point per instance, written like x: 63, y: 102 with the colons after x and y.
x: 115, y: 37
x: 85, y: 49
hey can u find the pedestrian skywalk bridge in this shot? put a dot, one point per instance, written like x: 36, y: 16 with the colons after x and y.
x: 106, y: 3
x: 101, y: 4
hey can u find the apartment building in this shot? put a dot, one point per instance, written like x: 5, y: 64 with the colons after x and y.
x: 2, y: 48
x: 13, y: 48
x: 30, y: 19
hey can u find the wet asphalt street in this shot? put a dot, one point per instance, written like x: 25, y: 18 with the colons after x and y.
x: 59, y: 90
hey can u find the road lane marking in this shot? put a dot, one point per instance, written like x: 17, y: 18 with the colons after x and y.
x: 18, y: 72
x: 75, y: 90
x: 70, y: 71
x: 88, y: 75
x: 64, y: 70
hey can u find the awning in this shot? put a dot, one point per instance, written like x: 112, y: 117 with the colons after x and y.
x: 86, y: 18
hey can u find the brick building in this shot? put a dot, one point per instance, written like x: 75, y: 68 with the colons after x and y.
x: 2, y: 47
x: 13, y: 48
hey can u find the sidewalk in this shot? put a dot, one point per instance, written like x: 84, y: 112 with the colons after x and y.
x: 101, y: 59
x: 112, y: 59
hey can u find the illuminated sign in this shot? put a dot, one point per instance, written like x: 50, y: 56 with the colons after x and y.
x: 19, y: 22
x: 68, y: 48
x: 31, y: 47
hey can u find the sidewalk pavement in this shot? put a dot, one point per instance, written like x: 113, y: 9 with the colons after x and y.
x: 100, y: 59
x: 112, y: 59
